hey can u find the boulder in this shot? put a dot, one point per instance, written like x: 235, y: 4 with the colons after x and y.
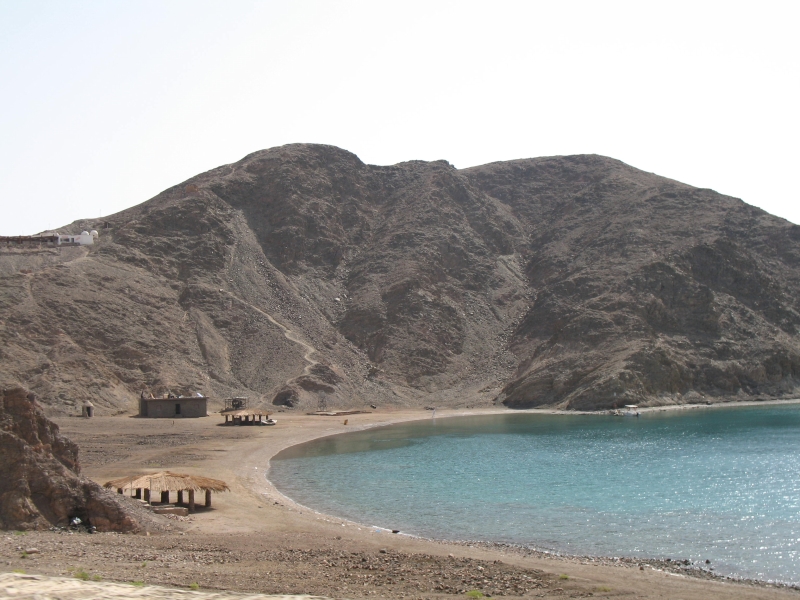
x: 40, y: 481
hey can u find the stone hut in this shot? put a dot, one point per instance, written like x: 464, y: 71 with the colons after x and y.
x: 173, y: 407
x: 87, y: 410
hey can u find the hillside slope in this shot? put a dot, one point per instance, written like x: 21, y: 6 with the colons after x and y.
x: 300, y: 276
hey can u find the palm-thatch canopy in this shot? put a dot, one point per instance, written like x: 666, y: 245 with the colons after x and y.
x: 167, y: 481
x: 245, y: 412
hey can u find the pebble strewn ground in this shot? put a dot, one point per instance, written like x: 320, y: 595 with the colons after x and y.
x: 223, y: 562
x: 677, y: 566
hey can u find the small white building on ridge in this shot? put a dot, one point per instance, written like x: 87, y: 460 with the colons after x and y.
x: 86, y: 238
x: 48, y: 240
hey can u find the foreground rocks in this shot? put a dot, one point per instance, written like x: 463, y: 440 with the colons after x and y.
x: 40, y: 482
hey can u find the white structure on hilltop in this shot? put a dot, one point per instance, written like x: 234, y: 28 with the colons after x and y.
x: 47, y: 240
x: 86, y: 238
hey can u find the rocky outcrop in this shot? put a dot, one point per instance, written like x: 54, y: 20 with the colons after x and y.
x: 647, y: 290
x: 574, y: 281
x: 40, y: 482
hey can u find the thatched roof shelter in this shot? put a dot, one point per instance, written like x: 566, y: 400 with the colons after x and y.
x: 166, y: 482
x: 246, y: 412
x: 244, y: 416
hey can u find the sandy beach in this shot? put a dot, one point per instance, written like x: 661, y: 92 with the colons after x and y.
x: 254, y: 539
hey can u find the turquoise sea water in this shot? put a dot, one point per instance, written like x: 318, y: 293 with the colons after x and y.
x: 718, y: 484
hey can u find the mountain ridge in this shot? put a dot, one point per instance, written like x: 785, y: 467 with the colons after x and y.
x: 303, y: 277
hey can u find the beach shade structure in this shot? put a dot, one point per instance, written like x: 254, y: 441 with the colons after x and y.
x: 246, y: 416
x: 165, y: 482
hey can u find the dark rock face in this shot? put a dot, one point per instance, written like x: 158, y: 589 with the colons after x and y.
x: 647, y: 289
x: 301, y: 273
x: 40, y: 483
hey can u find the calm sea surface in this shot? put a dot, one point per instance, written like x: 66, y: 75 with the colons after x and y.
x: 721, y: 484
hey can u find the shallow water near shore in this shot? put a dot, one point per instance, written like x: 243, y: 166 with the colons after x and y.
x: 717, y: 484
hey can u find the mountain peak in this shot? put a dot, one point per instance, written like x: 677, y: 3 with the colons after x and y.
x: 301, y: 276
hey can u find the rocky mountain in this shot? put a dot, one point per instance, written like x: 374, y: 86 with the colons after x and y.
x: 302, y: 277
x: 40, y: 482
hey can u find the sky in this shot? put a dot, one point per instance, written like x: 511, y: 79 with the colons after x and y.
x: 106, y: 103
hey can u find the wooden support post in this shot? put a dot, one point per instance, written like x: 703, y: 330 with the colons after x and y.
x: 165, y: 497
x: 147, y: 494
x: 191, y: 500
x: 180, y: 496
x: 208, y: 498
x: 138, y: 493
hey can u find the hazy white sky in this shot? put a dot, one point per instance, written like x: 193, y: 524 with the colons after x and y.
x: 104, y: 104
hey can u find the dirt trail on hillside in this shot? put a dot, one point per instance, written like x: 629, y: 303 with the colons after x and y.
x: 288, y: 333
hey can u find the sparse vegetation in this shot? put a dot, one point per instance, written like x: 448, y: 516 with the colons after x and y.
x: 19, y: 571
x: 603, y: 588
x: 563, y: 577
x: 194, y: 586
x: 137, y: 583
x: 475, y: 594
x: 81, y: 574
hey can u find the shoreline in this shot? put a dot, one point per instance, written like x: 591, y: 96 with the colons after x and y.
x: 665, y: 564
x: 256, y: 539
